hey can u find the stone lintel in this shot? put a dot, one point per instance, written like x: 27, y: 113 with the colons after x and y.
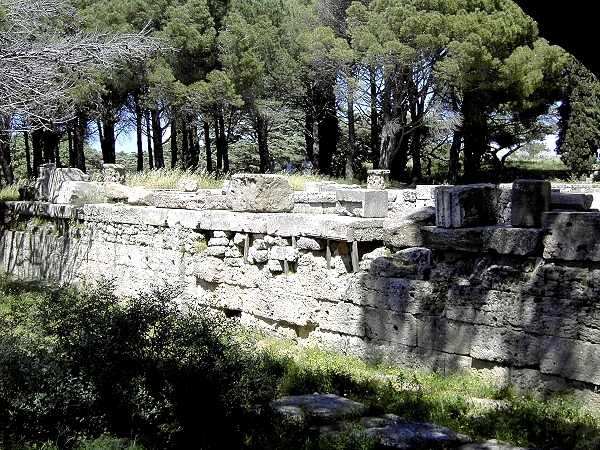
x: 500, y: 239
x: 326, y: 226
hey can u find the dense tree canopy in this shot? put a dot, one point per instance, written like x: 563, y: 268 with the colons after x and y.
x: 340, y: 85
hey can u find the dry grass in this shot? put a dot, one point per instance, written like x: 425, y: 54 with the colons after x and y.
x: 168, y: 179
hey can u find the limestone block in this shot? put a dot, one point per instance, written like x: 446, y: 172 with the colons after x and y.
x: 259, y: 244
x: 530, y: 200
x: 306, y: 243
x: 233, y: 252
x: 218, y: 242
x: 500, y: 239
x: 113, y: 173
x: 257, y: 256
x: 284, y: 253
x: 466, y: 206
x: 239, y: 239
x: 55, y: 180
x: 220, y: 234
x: 187, y: 185
x: 87, y: 192
x: 276, y: 241
x: 572, y: 236
x: 140, y: 197
x: 389, y: 326
x: 412, y: 435
x: 42, y: 183
x: 216, y: 251
x: 275, y: 266
x: 260, y: 193
x: 406, y: 231
x: 378, y: 179
x: 505, y: 346
x: 572, y: 359
x: 571, y: 202
x: 362, y: 203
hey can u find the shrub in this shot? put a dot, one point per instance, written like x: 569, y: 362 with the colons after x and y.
x: 76, y: 364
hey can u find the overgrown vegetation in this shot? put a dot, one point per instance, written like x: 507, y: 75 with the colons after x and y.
x: 75, y: 365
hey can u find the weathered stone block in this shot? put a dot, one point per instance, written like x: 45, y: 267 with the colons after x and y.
x: 503, y: 240
x: 51, y: 181
x: 377, y: 179
x: 572, y: 236
x: 466, y: 206
x: 362, y: 203
x: 530, y: 200
x: 88, y: 192
x: 256, y: 256
x: 284, y: 253
x: 571, y: 202
x: 306, y: 243
x: 113, y: 173
x: 260, y: 193
x: 406, y: 232
x: 187, y: 185
x: 140, y: 197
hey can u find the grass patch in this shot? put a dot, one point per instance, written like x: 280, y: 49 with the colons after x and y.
x: 431, y: 397
x: 169, y: 178
x: 9, y: 193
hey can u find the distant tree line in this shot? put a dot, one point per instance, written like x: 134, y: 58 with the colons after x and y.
x: 395, y: 84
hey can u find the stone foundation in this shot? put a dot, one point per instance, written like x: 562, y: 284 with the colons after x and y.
x: 463, y: 299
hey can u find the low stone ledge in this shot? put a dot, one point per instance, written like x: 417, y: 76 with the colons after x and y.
x: 323, y: 226
x: 499, y: 239
x: 406, y: 231
x: 260, y: 193
x: 572, y: 236
x: 42, y: 209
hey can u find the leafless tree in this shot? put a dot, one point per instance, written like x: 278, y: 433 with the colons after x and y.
x: 43, y: 56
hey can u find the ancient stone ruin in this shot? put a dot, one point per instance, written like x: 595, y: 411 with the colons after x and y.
x: 502, y: 279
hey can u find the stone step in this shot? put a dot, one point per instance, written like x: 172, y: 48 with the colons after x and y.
x: 318, y: 409
x: 572, y: 202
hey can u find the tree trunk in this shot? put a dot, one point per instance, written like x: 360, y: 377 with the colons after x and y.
x: 309, y: 137
x: 149, y: 140
x: 194, y: 147
x: 72, y: 159
x: 475, y: 136
x: 36, y: 147
x: 139, y: 131
x: 262, y: 131
x: 79, y: 141
x: 185, y: 145
x: 28, y: 155
x: 415, y: 152
x: 157, y: 136
x: 351, y: 134
x: 375, y: 138
x: 108, y: 140
x: 454, y: 163
x: 328, y: 128
x: 5, y: 156
x: 219, y: 147
x: 209, y: 164
x: 174, y: 150
x: 224, y: 143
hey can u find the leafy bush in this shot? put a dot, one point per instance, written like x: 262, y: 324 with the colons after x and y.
x: 76, y: 364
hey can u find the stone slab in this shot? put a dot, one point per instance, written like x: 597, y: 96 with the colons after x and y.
x: 530, y: 199
x: 260, y: 193
x: 500, y: 239
x: 362, y: 203
x: 571, y: 202
x: 406, y: 232
x: 318, y: 408
x: 415, y: 435
x: 466, y: 206
x: 572, y: 236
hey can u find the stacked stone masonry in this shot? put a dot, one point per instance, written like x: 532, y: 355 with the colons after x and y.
x: 517, y: 303
x: 364, y: 271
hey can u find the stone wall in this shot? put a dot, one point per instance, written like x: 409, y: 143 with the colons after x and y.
x: 511, y: 302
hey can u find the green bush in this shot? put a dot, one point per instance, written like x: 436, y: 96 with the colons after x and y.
x: 77, y: 364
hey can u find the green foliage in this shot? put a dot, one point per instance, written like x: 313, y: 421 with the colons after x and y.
x: 579, y: 137
x: 75, y: 364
